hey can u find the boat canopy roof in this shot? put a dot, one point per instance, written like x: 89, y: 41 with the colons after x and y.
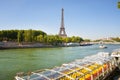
x: 116, y: 53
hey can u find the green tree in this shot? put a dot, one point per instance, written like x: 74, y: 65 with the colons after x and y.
x: 67, y: 39
x: 117, y: 39
x: 87, y: 40
x: 28, y: 35
x: 119, y: 5
x: 36, y: 33
x: 40, y: 38
x: 73, y: 39
x: 57, y: 40
x: 19, y: 37
x: 1, y: 36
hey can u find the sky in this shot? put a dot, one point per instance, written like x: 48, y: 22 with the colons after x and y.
x: 89, y: 19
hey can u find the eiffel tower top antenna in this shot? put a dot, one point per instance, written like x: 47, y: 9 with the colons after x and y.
x: 62, y: 32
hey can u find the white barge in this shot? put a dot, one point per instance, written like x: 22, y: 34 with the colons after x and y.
x: 95, y: 67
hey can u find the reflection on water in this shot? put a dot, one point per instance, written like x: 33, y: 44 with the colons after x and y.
x: 18, y: 60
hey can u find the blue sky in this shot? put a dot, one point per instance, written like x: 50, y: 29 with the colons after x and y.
x: 92, y: 19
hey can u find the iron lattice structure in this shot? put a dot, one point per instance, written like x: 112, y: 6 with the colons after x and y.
x: 62, y: 32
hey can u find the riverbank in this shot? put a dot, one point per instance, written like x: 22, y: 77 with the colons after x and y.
x: 105, y: 42
x: 15, y: 45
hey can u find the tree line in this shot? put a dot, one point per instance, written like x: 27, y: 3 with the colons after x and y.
x: 113, y: 39
x: 117, y: 39
x: 21, y: 36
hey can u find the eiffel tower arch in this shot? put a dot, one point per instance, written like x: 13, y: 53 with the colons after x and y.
x: 62, y: 32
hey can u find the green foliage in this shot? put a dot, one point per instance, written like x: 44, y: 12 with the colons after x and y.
x: 40, y: 38
x: 97, y: 40
x: 57, y: 40
x: 8, y: 35
x: 53, y: 39
x: 76, y: 39
x: 28, y: 36
x: 20, y: 35
x: 36, y: 36
x: 73, y: 39
x: 67, y: 39
x: 86, y: 40
x: 119, y: 5
x: 117, y: 39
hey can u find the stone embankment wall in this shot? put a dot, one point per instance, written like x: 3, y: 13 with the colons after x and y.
x: 22, y: 45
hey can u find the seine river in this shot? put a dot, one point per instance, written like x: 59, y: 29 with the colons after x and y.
x: 24, y: 60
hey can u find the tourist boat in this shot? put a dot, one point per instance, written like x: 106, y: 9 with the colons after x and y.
x: 72, y: 44
x: 95, y: 67
x: 102, y: 46
x: 116, y: 53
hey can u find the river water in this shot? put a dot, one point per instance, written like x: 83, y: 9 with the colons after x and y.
x: 24, y: 60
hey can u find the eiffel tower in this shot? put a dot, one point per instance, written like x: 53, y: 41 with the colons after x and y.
x: 62, y: 32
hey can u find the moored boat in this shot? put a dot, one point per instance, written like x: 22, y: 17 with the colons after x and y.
x: 94, y: 67
x: 102, y: 46
x: 116, y: 53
